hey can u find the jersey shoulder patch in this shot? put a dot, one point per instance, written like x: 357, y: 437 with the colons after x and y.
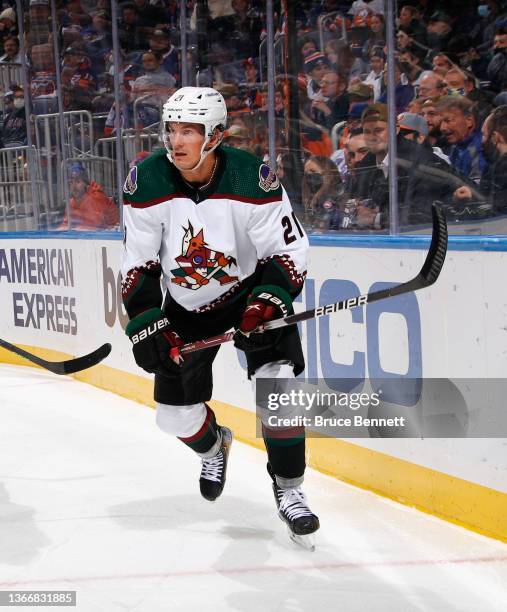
x: 248, y: 179
x: 149, y: 182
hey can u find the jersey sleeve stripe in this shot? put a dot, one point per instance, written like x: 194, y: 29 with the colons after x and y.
x: 247, y: 200
x: 154, y: 202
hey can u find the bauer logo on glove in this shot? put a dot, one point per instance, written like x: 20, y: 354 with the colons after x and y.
x: 156, y: 346
x: 150, y: 330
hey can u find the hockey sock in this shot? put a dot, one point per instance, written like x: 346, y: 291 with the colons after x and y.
x: 207, y: 436
x: 286, y: 451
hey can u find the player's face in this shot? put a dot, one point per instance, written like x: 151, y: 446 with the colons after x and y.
x: 186, y: 141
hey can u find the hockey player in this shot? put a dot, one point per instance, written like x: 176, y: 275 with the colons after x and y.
x: 218, y: 226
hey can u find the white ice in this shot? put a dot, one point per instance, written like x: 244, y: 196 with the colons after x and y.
x: 94, y: 498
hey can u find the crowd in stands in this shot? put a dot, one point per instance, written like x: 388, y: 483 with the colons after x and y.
x: 450, y: 95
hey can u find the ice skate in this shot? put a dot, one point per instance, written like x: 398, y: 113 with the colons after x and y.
x: 293, y: 510
x: 214, y: 469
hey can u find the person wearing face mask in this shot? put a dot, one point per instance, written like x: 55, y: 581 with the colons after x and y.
x: 322, y: 190
x: 497, y: 67
x: 14, y: 126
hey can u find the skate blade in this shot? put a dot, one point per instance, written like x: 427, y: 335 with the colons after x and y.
x: 307, y: 542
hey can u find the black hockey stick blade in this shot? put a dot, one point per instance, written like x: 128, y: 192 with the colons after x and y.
x: 70, y: 366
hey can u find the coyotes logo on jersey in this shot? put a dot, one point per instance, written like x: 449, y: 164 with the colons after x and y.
x: 199, y: 264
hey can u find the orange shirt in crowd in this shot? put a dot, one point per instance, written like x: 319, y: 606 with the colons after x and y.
x: 95, y: 210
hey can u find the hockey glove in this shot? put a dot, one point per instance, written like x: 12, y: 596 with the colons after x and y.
x: 155, y: 344
x: 264, y: 304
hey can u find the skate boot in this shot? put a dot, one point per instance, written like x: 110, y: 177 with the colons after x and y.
x: 214, y: 469
x: 293, y: 510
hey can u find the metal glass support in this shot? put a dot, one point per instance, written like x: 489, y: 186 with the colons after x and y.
x: 117, y: 107
x: 271, y: 83
x: 32, y: 167
x: 391, y: 110
x: 183, y: 43
x: 61, y: 121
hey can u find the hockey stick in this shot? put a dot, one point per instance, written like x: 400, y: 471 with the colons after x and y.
x: 62, y: 367
x: 426, y: 277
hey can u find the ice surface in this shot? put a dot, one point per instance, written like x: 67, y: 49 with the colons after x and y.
x: 94, y: 498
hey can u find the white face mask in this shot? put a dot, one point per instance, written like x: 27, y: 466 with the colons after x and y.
x: 19, y: 102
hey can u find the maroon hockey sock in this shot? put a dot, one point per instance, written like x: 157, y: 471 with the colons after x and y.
x: 202, y: 441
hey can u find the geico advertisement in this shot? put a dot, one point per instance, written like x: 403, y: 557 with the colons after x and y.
x: 40, y: 287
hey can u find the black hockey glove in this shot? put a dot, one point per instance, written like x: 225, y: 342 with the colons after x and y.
x: 155, y: 344
x: 264, y: 304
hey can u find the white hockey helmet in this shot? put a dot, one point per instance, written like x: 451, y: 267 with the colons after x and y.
x: 203, y: 105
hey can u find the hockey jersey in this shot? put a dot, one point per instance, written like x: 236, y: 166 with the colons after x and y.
x: 207, y: 242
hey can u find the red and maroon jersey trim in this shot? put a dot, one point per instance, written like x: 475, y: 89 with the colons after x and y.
x: 246, y: 200
x: 154, y: 202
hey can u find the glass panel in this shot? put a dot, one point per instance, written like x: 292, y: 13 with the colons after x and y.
x: 325, y: 74
x: 448, y: 52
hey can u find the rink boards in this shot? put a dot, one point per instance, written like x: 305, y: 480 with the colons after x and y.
x: 62, y: 297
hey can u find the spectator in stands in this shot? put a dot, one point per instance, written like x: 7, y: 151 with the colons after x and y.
x: 347, y: 63
x: 98, y: 40
x: 156, y: 83
x: 410, y: 23
x: 251, y: 72
x: 306, y: 46
x: 239, y: 137
x: 423, y: 177
x: 8, y: 24
x: 38, y: 25
x: 132, y: 34
x: 403, y: 93
x: 439, y: 30
x: 355, y: 150
x: 43, y: 72
x: 410, y: 65
x: 497, y: 67
x: 374, y: 77
x: 414, y: 127
x: 360, y: 93
x: 160, y: 42
x: 89, y: 208
x: 334, y: 107
x: 236, y: 102
x: 322, y: 190
x: 11, y: 48
x: 460, y: 128
x: 126, y: 111
x: 247, y: 28
x: 431, y: 114
x: 494, y: 142
x: 315, y: 67
x: 14, y: 123
x: 77, y: 80
x: 377, y: 38
x: 493, y: 184
x: 431, y: 85
x: 151, y: 14
x: 441, y: 64
x: 461, y: 82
